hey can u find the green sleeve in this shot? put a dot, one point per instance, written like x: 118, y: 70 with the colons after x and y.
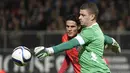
x: 74, y: 42
x: 108, y: 40
x: 66, y: 45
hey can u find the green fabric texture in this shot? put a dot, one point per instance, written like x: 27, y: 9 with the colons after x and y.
x: 66, y: 45
x: 108, y: 40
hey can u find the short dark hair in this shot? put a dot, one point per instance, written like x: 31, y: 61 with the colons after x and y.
x: 73, y: 17
x: 92, y: 7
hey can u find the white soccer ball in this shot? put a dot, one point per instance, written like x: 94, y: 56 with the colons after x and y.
x: 21, y: 55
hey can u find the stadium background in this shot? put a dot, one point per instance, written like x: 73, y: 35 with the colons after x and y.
x: 41, y: 22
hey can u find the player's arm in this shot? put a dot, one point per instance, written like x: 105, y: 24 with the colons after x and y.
x: 111, y: 42
x: 77, y: 41
x: 65, y: 65
x: 42, y: 52
x: 108, y: 40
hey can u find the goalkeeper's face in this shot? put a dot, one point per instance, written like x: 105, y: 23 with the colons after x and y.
x: 72, y: 28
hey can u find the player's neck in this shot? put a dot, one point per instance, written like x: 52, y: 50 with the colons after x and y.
x: 69, y: 38
x: 91, y: 23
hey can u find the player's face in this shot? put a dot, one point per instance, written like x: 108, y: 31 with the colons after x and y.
x: 85, y: 17
x: 71, y: 28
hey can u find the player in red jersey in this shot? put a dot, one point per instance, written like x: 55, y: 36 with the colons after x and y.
x: 72, y: 28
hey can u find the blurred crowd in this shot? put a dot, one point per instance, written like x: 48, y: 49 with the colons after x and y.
x: 49, y: 15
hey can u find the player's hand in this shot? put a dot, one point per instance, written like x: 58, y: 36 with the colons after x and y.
x: 115, y: 46
x: 40, y: 52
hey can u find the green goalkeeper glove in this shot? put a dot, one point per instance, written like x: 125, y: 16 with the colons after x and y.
x: 41, y: 52
x: 115, y: 46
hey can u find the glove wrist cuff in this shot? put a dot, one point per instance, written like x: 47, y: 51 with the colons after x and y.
x: 49, y: 50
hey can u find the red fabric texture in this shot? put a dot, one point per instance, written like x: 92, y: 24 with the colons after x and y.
x: 2, y: 71
x: 106, y: 61
x: 70, y: 58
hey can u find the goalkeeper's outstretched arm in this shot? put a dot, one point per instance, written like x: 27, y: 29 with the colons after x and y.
x: 42, y: 52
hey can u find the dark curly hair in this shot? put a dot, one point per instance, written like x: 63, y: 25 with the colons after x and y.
x: 73, y: 17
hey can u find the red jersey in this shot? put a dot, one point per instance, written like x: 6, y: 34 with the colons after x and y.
x: 71, y: 57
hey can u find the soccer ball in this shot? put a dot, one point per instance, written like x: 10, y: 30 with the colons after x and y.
x: 21, y: 55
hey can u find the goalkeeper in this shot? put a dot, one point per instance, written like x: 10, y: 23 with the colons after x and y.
x: 91, y: 40
x: 73, y: 27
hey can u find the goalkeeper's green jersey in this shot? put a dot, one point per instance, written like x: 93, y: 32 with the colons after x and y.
x: 90, y: 56
x: 91, y: 40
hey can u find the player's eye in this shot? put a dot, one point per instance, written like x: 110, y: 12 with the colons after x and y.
x: 67, y: 26
x: 72, y: 26
x: 82, y: 15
